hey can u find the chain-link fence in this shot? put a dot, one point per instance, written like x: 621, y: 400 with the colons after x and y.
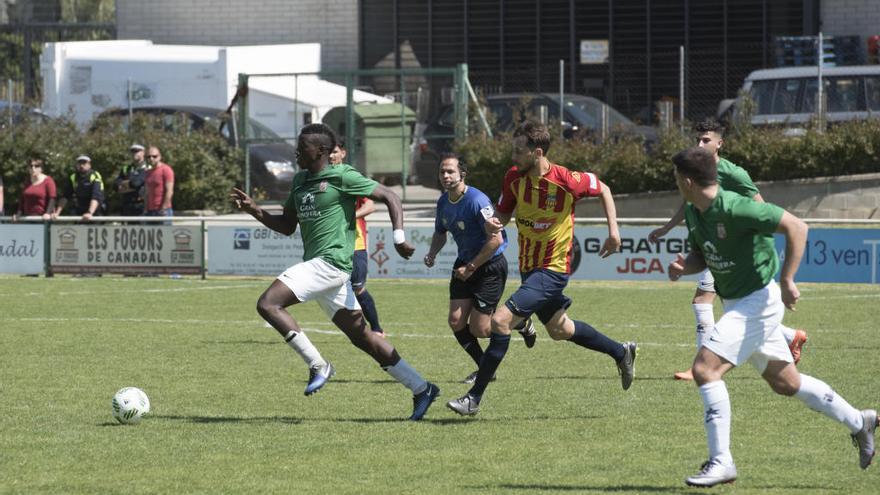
x: 396, y: 123
x: 20, y: 49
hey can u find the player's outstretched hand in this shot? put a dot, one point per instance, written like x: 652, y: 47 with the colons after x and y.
x: 242, y: 201
x: 790, y: 293
x: 610, y: 246
x: 657, y: 233
x: 405, y: 249
x: 676, y: 269
x: 493, y: 226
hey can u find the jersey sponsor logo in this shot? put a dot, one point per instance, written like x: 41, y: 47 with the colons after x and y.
x: 576, y: 176
x: 308, y: 199
x: 539, y: 225
x: 460, y: 225
x: 487, y: 212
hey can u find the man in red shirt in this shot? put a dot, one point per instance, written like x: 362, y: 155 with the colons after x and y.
x: 543, y: 195
x: 160, y: 185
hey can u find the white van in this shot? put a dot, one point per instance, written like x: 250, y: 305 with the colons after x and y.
x: 787, y: 96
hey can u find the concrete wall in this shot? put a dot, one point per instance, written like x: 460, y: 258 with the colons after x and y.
x: 850, y: 197
x: 333, y: 23
x: 850, y: 17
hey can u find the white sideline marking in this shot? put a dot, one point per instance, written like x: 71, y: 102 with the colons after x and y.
x: 131, y: 291
x: 446, y: 335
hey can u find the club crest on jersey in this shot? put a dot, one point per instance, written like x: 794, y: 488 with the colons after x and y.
x: 576, y: 176
x: 322, y: 186
x: 721, y: 231
x: 460, y: 225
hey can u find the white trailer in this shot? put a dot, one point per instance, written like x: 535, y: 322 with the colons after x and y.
x: 86, y: 78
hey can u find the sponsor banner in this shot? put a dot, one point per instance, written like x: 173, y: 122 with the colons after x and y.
x: 22, y: 248
x: 248, y: 250
x: 638, y: 259
x: 838, y: 255
x: 832, y: 255
x: 126, y: 248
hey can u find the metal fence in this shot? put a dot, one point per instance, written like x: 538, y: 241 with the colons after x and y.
x: 22, y: 44
x: 396, y: 122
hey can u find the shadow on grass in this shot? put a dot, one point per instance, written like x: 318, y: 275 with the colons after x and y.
x: 230, y: 419
x: 579, y: 488
x: 243, y: 342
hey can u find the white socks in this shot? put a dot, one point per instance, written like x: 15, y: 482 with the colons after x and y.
x: 408, y: 376
x: 705, y: 321
x: 304, y: 347
x: 818, y: 396
x: 788, y: 332
x: 716, y: 418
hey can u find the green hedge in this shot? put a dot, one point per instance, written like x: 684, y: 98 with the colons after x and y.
x: 205, y: 166
x: 627, y: 167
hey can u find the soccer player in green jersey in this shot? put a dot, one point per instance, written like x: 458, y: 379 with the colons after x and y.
x: 322, y: 203
x: 730, y: 234
x: 731, y: 178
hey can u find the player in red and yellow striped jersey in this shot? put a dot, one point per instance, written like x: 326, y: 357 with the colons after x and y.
x: 543, y: 195
x: 360, y: 260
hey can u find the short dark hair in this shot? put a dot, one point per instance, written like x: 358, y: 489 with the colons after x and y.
x: 709, y: 125
x: 537, y: 135
x: 462, y: 166
x: 697, y: 164
x: 340, y: 141
x: 325, y: 135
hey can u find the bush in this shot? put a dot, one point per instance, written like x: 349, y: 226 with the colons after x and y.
x: 205, y: 166
x: 627, y: 167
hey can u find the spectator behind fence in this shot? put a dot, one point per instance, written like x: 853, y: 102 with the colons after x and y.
x: 38, y: 193
x: 160, y: 185
x: 84, y: 189
x: 131, y: 181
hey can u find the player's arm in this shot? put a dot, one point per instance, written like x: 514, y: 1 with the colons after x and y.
x: 676, y: 219
x: 495, y: 224
x: 681, y: 265
x: 493, y: 241
x: 285, y: 223
x: 366, y: 208
x: 612, y: 243
x: 795, y: 231
x: 438, y: 240
x: 395, y: 211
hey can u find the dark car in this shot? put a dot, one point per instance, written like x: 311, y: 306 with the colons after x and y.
x: 582, y: 117
x: 15, y: 113
x: 273, y: 163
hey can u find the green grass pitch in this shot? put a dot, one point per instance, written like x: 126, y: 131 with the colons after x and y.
x: 228, y: 413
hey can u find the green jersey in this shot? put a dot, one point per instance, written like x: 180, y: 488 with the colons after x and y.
x: 734, y: 178
x: 324, y: 204
x: 734, y: 236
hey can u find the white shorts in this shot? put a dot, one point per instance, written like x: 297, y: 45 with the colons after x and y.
x: 317, y: 280
x: 707, y: 281
x: 749, y: 329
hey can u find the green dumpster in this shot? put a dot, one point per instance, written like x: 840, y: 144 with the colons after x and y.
x: 383, y: 132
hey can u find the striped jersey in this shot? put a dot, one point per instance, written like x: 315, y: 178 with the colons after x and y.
x: 545, y: 214
x: 360, y: 240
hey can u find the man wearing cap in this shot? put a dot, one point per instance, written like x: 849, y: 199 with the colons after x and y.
x: 130, y: 182
x: 85, y: 190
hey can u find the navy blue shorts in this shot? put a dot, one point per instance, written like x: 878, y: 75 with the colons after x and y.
x: 359, y: 269
x: 485, y: 286
x: 540, y: 294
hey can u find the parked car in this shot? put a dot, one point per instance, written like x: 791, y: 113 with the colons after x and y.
x: 787, y: 96
x: 582, y: 117
x: 273, y: 164
x: 15, y: 113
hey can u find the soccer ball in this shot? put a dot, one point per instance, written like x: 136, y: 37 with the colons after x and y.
x: 130, y: 404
